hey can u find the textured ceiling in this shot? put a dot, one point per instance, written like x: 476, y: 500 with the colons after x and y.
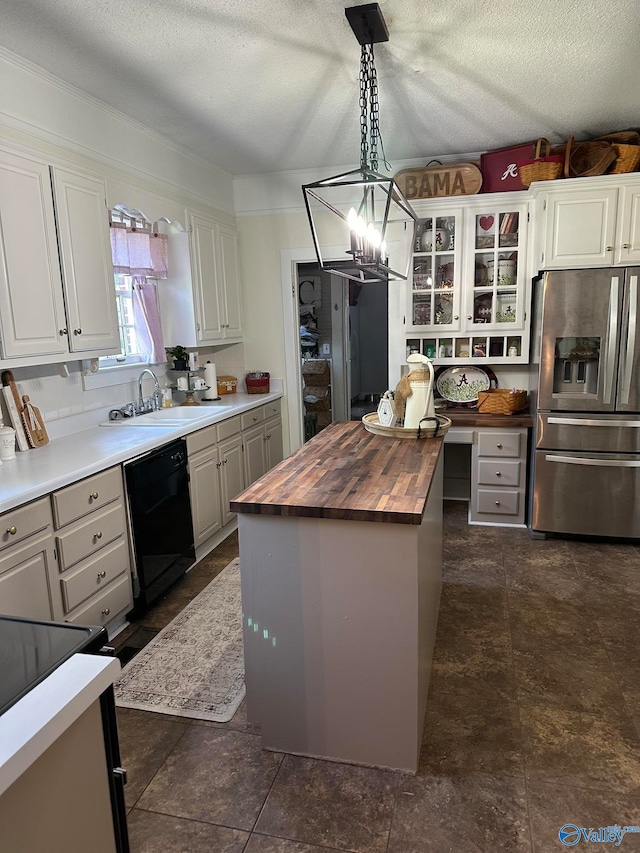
x: 259, y: 86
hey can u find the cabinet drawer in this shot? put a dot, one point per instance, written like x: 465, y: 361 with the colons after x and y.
x: 201, y: 439
x: 24, y: 521
x: 229, y: 427
x: 498, y: 502
x: 94, y: 574
x: 499, y: 443
x: 501, y: 472
x: 85, y: 496
x: 255, y: 416
x: 90, y: 535
x: 271, y: 410
x: 102, y: 608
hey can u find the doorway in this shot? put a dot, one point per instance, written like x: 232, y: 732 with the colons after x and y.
x: 343, y: 328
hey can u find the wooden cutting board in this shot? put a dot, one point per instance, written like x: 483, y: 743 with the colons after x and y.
x: 14, y: 407
x: 33, y: 423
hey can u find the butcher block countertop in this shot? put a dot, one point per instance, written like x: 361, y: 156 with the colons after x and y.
x: 472, y: 417
x: 347, y: 473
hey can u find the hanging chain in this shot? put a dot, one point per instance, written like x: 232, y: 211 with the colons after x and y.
x: 369, y: 112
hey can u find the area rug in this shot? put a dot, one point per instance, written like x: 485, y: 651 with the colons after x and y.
x: 195, y: 666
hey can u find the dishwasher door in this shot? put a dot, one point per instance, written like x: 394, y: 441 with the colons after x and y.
x: 590, y: 494
x: 160, y: 519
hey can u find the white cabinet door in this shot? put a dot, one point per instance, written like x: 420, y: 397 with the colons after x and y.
x: 32, y: 318
x: 85, y: 253
x: 273, y: 444
x: 627, y: 248
x: 204, y: 487
x: 230, y: 281
x: 27, y: 577
x: 580, y: 225
x: 204, y: 265
x: 255, y: 454
x: 231, y: 474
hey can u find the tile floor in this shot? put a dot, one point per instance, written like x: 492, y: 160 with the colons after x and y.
x: 533, y: 721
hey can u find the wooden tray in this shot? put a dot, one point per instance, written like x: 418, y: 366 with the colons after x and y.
x: 372, y: 424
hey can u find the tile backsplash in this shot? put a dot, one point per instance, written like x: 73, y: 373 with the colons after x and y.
x: 59, y: 390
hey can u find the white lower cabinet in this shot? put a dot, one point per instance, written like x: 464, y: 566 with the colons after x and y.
x: 223, y: 460
x: 27, y: 564
x: 94, y: 567
x: 498, y: 476
x: 488, y: 467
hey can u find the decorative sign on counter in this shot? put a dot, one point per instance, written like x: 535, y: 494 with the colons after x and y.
x: 440, y: 181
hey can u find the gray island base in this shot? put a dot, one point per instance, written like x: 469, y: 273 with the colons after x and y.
x: 341, y: 565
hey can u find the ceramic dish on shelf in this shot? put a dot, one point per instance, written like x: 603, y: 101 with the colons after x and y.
x: 460, y: 386
x: 428, y: 430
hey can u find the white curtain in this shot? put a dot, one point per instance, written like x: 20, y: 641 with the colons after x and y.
x: 141, y: 252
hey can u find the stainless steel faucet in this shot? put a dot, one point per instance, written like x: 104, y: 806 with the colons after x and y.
x: 155, y: 400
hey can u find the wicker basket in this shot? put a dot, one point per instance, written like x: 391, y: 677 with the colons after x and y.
x: 588, y: 159
x: 227, y: 385
x: 627, y: 158
x: 499, y: 401
x: 257, y: 383
x: 544, y: 166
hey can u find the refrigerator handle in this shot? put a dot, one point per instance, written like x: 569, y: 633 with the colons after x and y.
x: 612, y: 339
x: 631, y: 340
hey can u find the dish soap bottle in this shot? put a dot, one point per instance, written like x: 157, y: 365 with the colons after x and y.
x: 167, y: 396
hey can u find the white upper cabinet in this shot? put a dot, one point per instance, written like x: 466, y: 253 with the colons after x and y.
x: 85, y: 254
x: 57, y: 295
x: 216, y: 281
x: 588, y: 222
x: 32, y: 317
x: 468, y: 296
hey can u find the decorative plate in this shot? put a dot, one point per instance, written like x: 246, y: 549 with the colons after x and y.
x: 461, y: 385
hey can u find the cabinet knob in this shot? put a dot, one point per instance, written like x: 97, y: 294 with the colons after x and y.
x: 268, y: 436
x: 64, y: 331
x: 94, y: 495
x: 609, y: 248
x: 98, y: 535
x: 224, y: 461
x: 498, y: 474
x: 106, y: 611
x: 456, y: 317
x: 469, y: 317
x: 218, y: 464
x: 12, y: 530
x: 255, y: 417
x: 626, y: 245
x: 101, y: 575
x: 499, y: 446
x: 497, y: 503
x: 77, y: 331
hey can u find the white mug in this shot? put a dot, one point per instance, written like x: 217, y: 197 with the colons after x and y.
x: 7, y: 443
x: 183, y: 383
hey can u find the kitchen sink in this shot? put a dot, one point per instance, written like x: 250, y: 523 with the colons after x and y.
x: 176, y: 416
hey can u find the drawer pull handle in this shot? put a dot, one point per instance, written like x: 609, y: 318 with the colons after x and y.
x: 255, y: 417
x: 94, y: 495
x: 497, y: 503
x: 106, y: 611
x: 499, y: 446
x: 12, y: 530
x: 498, y: 474
x: 101, y: 575
x: 98, y: 535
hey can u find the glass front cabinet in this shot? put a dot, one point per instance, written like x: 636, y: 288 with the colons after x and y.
x: 468, y: 295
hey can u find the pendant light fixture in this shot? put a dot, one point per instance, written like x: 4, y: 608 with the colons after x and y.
x: 362, y: 209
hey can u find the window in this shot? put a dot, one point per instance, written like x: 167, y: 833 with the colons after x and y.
x: 139, y: 254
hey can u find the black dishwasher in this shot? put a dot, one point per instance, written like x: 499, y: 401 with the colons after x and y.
x: 160, y: 519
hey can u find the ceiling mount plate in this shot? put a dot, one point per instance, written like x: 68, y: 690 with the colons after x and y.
x: 367, y: 23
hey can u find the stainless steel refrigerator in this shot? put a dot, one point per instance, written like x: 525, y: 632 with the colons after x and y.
x: 586, y: 472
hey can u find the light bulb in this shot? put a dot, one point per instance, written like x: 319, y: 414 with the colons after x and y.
x: 352, y: 219
x: 361, y: 228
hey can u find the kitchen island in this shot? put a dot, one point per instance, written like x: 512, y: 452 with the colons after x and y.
x: 341, y: 564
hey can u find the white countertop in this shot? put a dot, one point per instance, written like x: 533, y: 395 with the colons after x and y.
x: 41, y: 470
x: 31, y: 726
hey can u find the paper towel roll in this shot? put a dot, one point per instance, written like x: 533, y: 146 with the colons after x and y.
x: 211, y: 378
